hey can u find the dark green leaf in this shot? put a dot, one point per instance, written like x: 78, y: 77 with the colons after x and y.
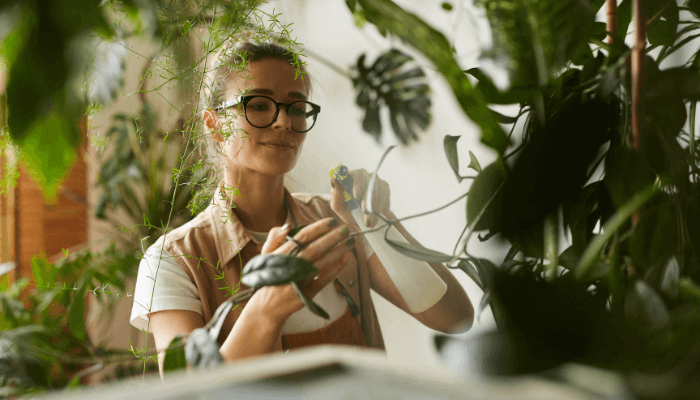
x: 655, y: 236
x: 492, y: 95
x: 661, y: 33
x: 645, y: 310
x: 315, y: 308
x: 485, y: 300
x: 568, y: 258
x: 175, y: 355
x: 627, y: 173
x: 450, y: 144
x: 538, y: 36
x: 276, y: 269
x: 418, y: 252
x: 585, y: 268
x: 351, y: 5
x: 436, y: 48
x: 503, y: 119
x: 624, y: 17
x: 677, y: 82
x: 481, y: 192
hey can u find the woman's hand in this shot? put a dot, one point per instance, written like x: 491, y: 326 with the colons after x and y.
x: 325, y: 243
x: 380, y: 198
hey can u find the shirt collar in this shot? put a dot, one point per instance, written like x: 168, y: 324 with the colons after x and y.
x: 230, y: 236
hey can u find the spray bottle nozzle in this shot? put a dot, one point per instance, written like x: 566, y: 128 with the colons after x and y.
x: 342, y: 174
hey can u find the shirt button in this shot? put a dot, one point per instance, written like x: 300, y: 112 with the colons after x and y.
x: 352, y: 283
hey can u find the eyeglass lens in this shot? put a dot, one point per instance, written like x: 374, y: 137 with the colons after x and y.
x: 260, y: 112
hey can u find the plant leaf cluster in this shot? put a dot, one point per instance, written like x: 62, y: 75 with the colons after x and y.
x: 622, y: 295
x: 43, y: 340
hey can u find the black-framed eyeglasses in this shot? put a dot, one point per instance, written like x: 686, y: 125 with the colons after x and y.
x: 262, y: 111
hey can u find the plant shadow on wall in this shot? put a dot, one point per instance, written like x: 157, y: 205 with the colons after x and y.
x: 624, y: 187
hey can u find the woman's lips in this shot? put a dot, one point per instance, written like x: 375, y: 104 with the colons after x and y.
x: 279, y: 145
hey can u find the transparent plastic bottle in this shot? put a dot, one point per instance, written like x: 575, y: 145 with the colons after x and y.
x: 418, y: 284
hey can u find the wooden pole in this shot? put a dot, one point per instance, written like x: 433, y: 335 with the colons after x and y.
x: 611, y: 26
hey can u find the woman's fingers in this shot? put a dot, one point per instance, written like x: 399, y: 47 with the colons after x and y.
x: 330, y: 265
x: 275, y: 238
x: 314, y: 238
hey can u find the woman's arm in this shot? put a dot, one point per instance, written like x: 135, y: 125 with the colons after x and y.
x: 454, y: 312
x: 259, y: 326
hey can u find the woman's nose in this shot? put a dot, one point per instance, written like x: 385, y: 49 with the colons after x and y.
x: 282, y: 120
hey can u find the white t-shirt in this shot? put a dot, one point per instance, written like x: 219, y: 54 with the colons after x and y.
x: 162, y: 280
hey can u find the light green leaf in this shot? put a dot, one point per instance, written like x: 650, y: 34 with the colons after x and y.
x: 670, y: 279
x: 76, y: 319
x: 473, y: 162
x: 175, y: 355
x: 450, y: 144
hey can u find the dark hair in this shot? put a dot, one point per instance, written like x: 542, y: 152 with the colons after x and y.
x: 233, y: 58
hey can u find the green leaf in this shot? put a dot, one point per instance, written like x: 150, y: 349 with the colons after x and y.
x: 175, y: 355
x: 76, y: 319
x: 481, y: 192
x: 677, y: 82
x: 538, y: 36
x: 503, y: 119
x: 474, y: 163
x: 492, y: 95
x: 670, y: 279
x: 385, y: 14
x: 624, y: 17
x: 645, y: 310
x: 661, y: 33
x: 585, y: 267
x: 417, y: 252
x: 471, y: 272
x: 627, y: 173
x: 276, y: 269
x: 48, y: 165
x: 450, y: 144
x: 315, y: 308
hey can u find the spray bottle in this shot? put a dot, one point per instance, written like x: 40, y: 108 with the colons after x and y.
x: 416, y: 281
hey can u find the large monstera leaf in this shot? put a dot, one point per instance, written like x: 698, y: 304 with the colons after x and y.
x: 402, y: 89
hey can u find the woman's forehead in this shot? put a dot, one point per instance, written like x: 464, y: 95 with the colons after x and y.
x: 269, y: 76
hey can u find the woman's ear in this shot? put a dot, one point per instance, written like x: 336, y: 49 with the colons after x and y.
x: 213, y: 124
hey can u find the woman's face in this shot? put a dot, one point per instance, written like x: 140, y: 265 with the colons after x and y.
x: 269, y: 151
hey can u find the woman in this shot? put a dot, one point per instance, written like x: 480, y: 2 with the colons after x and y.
x: 257, y: 120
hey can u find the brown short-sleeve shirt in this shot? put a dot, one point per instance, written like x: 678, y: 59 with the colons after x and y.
x: 215, y: 242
